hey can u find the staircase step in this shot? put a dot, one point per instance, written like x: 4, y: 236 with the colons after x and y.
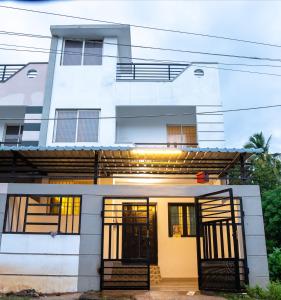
x: 155, y: 275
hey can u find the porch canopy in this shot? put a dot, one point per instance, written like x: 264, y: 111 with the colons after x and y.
x: 105, y: 162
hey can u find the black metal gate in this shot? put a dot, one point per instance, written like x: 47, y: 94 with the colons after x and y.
x: 125, y: 244
x: 221, y: 251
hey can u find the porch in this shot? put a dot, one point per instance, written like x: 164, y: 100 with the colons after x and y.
x: 102, y: 217
x: 57, y: 261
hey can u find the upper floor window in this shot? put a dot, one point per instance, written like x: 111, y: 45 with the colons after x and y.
x: 76, y: 125
x: 13, y: 134
x: 182, y: 134
x: 86, y: 52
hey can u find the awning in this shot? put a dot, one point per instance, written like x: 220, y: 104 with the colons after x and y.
x: 82, y: 162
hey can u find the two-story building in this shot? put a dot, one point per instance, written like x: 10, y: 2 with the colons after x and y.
x: 116, y: 175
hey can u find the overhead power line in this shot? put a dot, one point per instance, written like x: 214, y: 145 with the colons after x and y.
x: 47, y: 51
x: 215, y: 112
x: 23, y: 34
x: 143, y: 26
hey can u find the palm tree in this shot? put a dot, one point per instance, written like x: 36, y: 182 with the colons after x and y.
x: 257, y: 141
x: 264, y: 161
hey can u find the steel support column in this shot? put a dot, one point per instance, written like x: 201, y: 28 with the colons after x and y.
x: 96, y: 167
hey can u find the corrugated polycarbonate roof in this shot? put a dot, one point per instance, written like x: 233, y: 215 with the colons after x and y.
x: 93, y: 148
x: 111, y: 161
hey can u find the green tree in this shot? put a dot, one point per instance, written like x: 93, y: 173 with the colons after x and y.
x: 257, y: 141
x: 266, y: 168
x: 271, y: 203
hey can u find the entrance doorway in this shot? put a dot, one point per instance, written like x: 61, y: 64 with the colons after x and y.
x: 221, y: 250
x: 132, y: 242
x: 125, y: 260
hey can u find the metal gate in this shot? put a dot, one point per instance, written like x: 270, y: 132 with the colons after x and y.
x: 221, y: 251
x: 125, y: 244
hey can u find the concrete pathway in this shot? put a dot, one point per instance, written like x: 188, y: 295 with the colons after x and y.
x: 132, y: 295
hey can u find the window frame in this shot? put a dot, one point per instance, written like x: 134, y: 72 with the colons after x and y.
x: 77, y: 110
x: 82, y: 52
x: 20, y: 132
x: 181, y: 131
x: 184, y: 206
x: 4, y: 231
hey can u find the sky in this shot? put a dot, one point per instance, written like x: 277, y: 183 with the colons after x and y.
x: 249, y: 20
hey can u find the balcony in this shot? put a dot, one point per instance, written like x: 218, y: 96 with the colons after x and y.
x: 149, y: 72
x: 7, y: 71
x: 175, y: 126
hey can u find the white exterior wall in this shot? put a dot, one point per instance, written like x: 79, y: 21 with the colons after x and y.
x: 36, y: 261
x: 19, y: 93
x: 20, y: 90
x: 51, y: 264
x: 95, y: 87
x: 86, y: 87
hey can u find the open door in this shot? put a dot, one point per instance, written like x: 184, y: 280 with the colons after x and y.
x: 221, y: 252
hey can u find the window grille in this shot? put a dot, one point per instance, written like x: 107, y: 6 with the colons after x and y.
x: 43, y: 214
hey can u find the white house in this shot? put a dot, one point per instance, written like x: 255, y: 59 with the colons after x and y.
x: 127, y: 186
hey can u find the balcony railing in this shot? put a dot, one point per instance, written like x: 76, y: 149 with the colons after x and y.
x: 149, y: 72
x: 7, y: 71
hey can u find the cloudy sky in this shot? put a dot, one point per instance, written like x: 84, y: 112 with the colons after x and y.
x: 248, y: 20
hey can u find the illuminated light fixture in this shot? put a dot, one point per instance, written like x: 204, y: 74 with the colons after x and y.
x: 161, y: 151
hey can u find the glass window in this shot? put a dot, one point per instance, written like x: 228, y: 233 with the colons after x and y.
x: 66, y: 125
x: 76, y: 126
x: 182, y: 221
x: 181, y: 134
x: 13, y: 135
x: 68, y: 205
x: 93, y: 53
x: 72, y: 54
x: 88, y: 126
x: 85, y: 52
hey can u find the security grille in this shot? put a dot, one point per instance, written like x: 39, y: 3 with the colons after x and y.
x: 42, y: 214
x: 222, y: 261
x: 125, y: 244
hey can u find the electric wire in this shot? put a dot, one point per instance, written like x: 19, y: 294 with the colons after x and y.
x: 153, y: 48
x: 47, y: 51
x: 142, y: 26
x: 214, y: 112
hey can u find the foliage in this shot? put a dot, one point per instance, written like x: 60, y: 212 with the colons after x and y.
x: 257, y: 141
x: 272, y: 292
x: 271, y: 202
x: 266, y: 167
x: 274, y: 261
x: 266, y: 172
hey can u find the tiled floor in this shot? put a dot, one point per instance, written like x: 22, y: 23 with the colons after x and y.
x: 176, y: 285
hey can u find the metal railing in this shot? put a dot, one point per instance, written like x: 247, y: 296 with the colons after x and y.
x: 7, y: 71
x: 39, y: 214
x: 149, y: 72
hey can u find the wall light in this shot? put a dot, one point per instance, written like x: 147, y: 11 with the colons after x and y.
x: 163, y: 151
